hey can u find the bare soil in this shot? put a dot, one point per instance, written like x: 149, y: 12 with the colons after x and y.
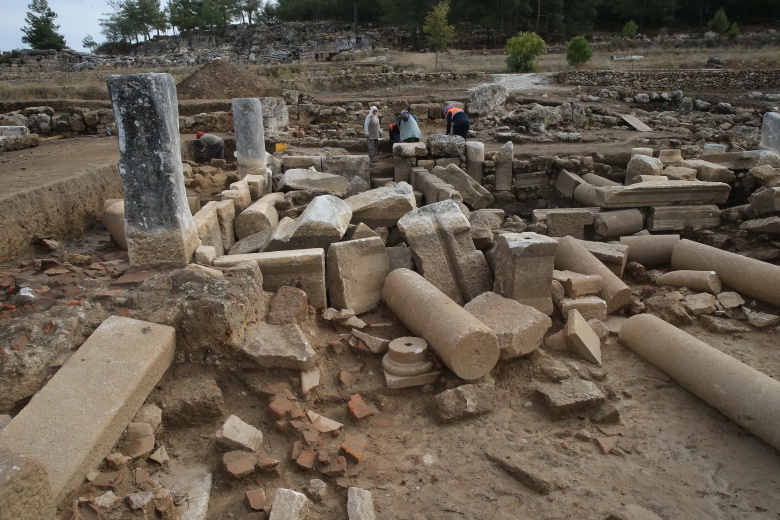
x: 680, y: 458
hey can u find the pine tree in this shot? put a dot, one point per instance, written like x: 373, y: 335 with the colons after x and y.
x: 89, y: 43
x: 439, y: 33
x: 41, y: 32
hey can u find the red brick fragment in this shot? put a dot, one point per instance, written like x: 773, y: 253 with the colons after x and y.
x: 354, y: 447
x: 257, y: 499
x: 358, y: 407
x: 306, y: 459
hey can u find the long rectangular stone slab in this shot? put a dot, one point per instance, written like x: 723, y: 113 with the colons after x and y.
x: 540, y: 215
x: 614, y: 256
x: 304, y: 266
x: 677, y: 218
x: 660, y: 193
x: 75, y: 420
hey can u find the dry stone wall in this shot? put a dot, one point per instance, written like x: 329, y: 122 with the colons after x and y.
x: 674, y: 79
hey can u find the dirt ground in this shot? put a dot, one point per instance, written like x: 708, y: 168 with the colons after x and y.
x: 679, y: 458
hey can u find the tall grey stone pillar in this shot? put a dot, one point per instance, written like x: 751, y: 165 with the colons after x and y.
x: 250, y: 142
x: 159, y: 227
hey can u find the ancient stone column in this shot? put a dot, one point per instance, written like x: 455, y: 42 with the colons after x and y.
x: 250, y: 142
x: 466, y: 345
x: 746, y: 275
x: 650, y: 250
x: 159, y: 227
x: 748, y: 397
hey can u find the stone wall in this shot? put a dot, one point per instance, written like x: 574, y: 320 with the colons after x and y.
x: 674, y: 79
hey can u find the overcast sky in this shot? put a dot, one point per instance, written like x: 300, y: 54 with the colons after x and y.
x: 76, y: 18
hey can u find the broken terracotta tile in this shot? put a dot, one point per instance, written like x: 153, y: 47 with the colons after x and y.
x: 336, y: 467
x: 358, y: 408
x: 306, y: 459
x: 257, y: 499
x: 354, y: 447
x: 323, y: 424
x: 347, y: 378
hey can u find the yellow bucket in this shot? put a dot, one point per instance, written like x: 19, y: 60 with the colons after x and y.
x: 281, y: 147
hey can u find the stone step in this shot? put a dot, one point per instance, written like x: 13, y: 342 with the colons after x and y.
x: 72, y: 423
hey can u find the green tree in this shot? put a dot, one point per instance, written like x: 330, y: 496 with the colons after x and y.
x: 578, y: 52
x: 437, y: 30
x: 41, y: 31
x: 523, y: 50
x: 89, y: 43
x: 733, y: 31
x: 719, y: 22
x: 630, y: 29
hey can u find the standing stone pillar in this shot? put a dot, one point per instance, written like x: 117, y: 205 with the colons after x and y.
x: 250, y: 142
x: 159, y: 227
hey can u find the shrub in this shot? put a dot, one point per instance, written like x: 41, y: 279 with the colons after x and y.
x: 578, y: 52
x: 719, y: 22
x: 630, y: 29
x: 523, y: 50
x: 733, y: 31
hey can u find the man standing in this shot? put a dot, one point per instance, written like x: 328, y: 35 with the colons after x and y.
x: 213, y: 146
x: 373, y: 133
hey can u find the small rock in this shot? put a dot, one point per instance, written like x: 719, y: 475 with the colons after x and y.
x: 236, y: 434
x: 360, y: 504
x: 139, y: 499
x: 289, y: 305
x: 149, y: 414
x: 289, y: 505
x: 465, y: 401
x: 525, y: 471
x: 160, y: 456
x: 607, y: 414
x: 115, y: 460
x: 373, y: 344
x: 570, y: 397
x: 107, y: 500
x: 701, y: 303
x: 722, y: 325
x: 317, y: 489
x: 668, y: 309
x: 730, y: 300
x: 762, y: 319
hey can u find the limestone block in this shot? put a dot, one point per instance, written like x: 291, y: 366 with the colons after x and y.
x: 301, y: 179
x: 323, y: 222
x: 159, y: 228
x: 74, y: 421
x: 433, y: 188
x: 540, y: 215
x: 382, y: 207
x: 486, y: 99
x: 289, y: 505
x: 260, y: 216
x: 290, y: 162
x: 13, y: 131
x: 466, y: 345
x: 443, y: 162
x: 765, y: 201
x: 205, y: 255
x: 446, y: 145
x: 235, y: 434
x: 226, y: 216
x: 762, y: 225
x: 678, y: 218
x: 670, y: 156
x: 746, y: 160
x: 519, y: 328
x: 766, y: 176
x: 209, y: 231
x: 302, y: 267
x: 576, y: 284
x: 581, y: 336
x: 662, y: 193
x: 701, y: 303
x: 256, y: 243
x: 356, y: 273
x: 24, y: 488
x: 440, y: 239
x: 679, y: 173
x: 348, y: 166
x: 474, y: 195
x: 612, y: 255
x: 532, y: 180
x: 465, y: 401
x: 570, y: 397
x: 410, y: 150
x: 240, y: 194
x: 279, y: 346
x: 360, y: 504
x: 708, y: 171
x: 113, y: 219
x: 567, y: 182
x: 475, y: 159
x: 591, y: 307
x: 770, y: 132
x: 524, y: 269
x: 504, y: 159
x: 402, y: 168
x: 642, y: 151
x: 618, y: 223
x: 568, y: 223
x: 642, y: 165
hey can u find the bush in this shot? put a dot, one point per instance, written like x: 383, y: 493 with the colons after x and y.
x: 733, y: 31
x: 719, y: 22
x: 630, y: 29
x: 523, y: 50
x: 579, y: 51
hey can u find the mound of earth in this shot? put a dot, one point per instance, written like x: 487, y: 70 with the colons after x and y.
x: 220, y: 80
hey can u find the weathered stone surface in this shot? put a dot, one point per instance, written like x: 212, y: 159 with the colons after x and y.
x: 400, y: 258
x: 475, y: 160
x: 709, y: 171
x: 730, y: 300
x: 633, y: 512
x: 240, y: 194
x: 356, y: 273
x: 289, y: 505
x: 351, y: 167
x: 662, y: 193
x: 668, y: 309
x: 290, y: 162
x: 433, y: 188
x: 235, y: 434
x: 679, y: 173
x: 567, y: 182
x: 770, y: 132
x: 474, y: 195
x: 701, y: 303
x: 289, y: 305
x: 250, y: 141
x: 761, y: 319
x: 591, y: 307
x: 279, y: 346
x: 73, y: 422
x: 762, y: 225
x: 440, y: 145
x: 580, y: 335
x: 300, y: 179
x: 440, y: 239
x: 159, y: 228
x: 13, y: 131
x: 113, y: 219
x: 746, y: 160
x: 323, y: 222
x: 360, y: 504
x: 519, y: 328
x: 255, y: 243
x: 610, y: 224
x: 410, y: 150
x: 24, y: 488
x: 486, y: 99
x: 260, y: 216
x: 207, y: 223
x: 303, y: 267
x: 465, y: 401
x: 678, y: 218
x: 765, y: 201
x: 504, y: 159
x: 524, y: 268
x: 226, y: 216
x: 529, y: 472
x: 576, y: 284
x: 568, y: 223
x: 707, y: 281
x: 642, y: 165
x: 570, y: 397
x: 192, y: 400
x: 382, y: 207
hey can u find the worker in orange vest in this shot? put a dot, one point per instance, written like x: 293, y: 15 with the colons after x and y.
x: 457, y: 121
